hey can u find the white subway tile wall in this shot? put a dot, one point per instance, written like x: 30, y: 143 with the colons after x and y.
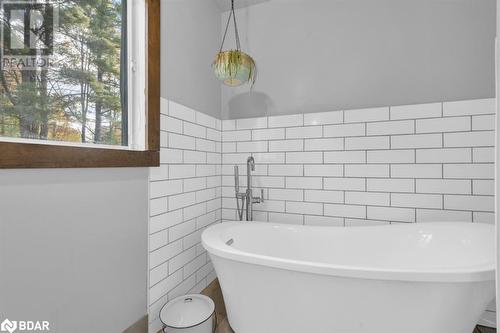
x: 401, y: 164
x: 185, y: 198
x: 413, y: 163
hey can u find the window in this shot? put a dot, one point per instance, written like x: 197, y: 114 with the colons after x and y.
x: 79, y: 83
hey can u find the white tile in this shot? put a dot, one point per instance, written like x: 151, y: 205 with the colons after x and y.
x: 182, y: 229
x: 450, y: 186
x: 195, y: 157
x: 367, y: 198
x: 269, y: 158
x: 194, y: 211
x: 182, y: 171
x: 163, y: 221
x: 483, y: 123
x: 469, y: 107
x: 267, y: 181
x: 205, y: 170
x: 164, y: 253
x: 309, y: 208
x: 181, y: 141
x: 243, y: 135
x: 416, y: 171
x: 162, y: 287
x: 483, y: 217
x: 251, y: 147
x: 345, y: 210
x: 268, y: 134
x: 163, y: 188
x: 322, y: 118
x: 182, y: 259
x: 271, y: 206
x: 326, y: 221
x: 158, y: 206
x: 469, y: 139
x: 472, y: 171
x: 483, y: 154
x: 391, y: 156
x: 181, y: 200
x: 365, y: 115
x: 390, y: 185
x: 416, y: 200
x: 304, y: 132
x: 345, y: 157
x: 324, y: 196
x: 213, y: 158
x: 323, y: 170
x: 194, y: 184
x: 304, y: 157
x: 344, y: 130
x: 205, y: 145
x: 439, y: 215
x: 447, y: 155
x: 364, y: 222
x: 391, y: 214
x: 468, y: 202
x: 372, y: 142
x: 205, y: 195
x: 170, y: 155
x: 228, y: 124
x: 158, y: 273
x: 163, y: 139
x: 286, y: 145
x: 286, y: 194
x: 180, y: 111
x: 251, y: 123
x: 229, y: 147
x: 416, y: 111
x: 304, y: 182
x: 206, y: 120
x: 286, y: 121
x: 483, y: 187
x: 170, y: 124
x: 353, y: 184
x: 214, y: 135
x: 191, y: 267
x: 417, y: 141
x: 286, y: 170
x: 438, y: 125
x: 367, y: 171
x: 323, y: 144
x: 194, y: 130
x: 286, y: 218
x: 391, y: 127
x: 234, y: 158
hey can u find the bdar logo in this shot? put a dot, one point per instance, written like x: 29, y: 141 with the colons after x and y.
x: 8, y: 326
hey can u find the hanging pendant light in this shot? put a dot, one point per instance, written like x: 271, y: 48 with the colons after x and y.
x: 233, y: 67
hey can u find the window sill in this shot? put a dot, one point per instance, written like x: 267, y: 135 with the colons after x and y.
x: 23, y: 155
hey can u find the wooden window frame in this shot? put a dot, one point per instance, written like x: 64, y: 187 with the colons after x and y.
x: 29, y: 155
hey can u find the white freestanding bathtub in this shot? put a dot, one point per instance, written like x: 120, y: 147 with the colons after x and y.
x: 404, y: 278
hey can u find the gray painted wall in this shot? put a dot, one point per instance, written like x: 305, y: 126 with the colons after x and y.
x: 73, y: 247
x: 320, y: 55
x: 190, y: 40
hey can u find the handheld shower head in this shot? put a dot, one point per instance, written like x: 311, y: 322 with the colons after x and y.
x: 251, y: 163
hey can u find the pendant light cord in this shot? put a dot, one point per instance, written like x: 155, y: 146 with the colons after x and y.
x: 236, y: 34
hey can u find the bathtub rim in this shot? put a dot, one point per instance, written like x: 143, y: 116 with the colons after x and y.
x: 215, y: 245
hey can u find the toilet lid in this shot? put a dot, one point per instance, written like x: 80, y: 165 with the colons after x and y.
x: 187, y: 311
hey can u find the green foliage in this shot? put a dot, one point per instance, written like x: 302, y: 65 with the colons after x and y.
x: 79, y: 98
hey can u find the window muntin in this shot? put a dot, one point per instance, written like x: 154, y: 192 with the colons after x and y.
x: 82, y: 83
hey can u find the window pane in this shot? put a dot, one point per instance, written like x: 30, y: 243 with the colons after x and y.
x: 63, y: 70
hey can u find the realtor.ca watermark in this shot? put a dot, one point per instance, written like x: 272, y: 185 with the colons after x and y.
x: 27, y: 30
x: 20, y: 326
